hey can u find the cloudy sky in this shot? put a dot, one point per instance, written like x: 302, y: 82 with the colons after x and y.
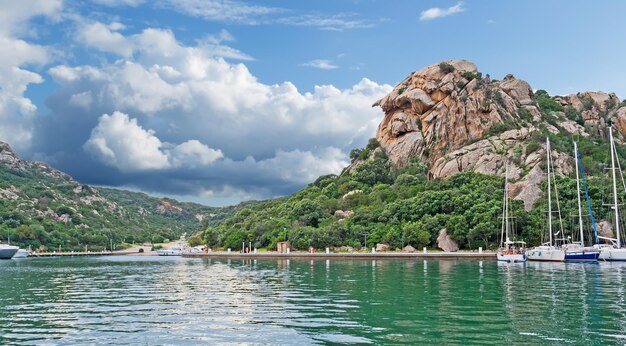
x: 219, y: 101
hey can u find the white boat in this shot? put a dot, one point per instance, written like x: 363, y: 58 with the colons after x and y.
x: 510, y: 251
x: 548, y: 252
x: 21, y: 253
x: 174, y: 251
x: 7, y: 251
x: 614, y: 251
x: 578, y: 252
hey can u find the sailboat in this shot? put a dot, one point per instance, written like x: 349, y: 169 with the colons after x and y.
x: 613, y: 251
x: 548, y: 252
x: 577, y: 252
x: 510, y: 250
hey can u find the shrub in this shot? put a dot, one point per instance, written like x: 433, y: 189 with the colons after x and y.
x: 446, y: 67
x: 532, y: 147
x: 472, y: 75
x: 547, y: 103
x: 525, y: 114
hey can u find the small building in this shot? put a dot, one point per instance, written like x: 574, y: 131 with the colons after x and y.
x: 283, y: 246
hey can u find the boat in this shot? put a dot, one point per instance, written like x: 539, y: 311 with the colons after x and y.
x: 174, y: 251
x: 578, y: 252
x: 511, y: 251
x: 7, y: 251
x: 21, y: 253
x: 614, y: 251
x: 549, y: 251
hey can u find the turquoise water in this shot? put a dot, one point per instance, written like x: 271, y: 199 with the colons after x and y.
x: 153, y: 300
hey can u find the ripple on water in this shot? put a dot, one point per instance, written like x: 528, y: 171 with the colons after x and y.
x: 126, y: 300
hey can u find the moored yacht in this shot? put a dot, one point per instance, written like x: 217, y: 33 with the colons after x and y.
x: 578, y: 252
x: 7, y: 251
x: 510, y: 250
x: 21, y: 253
x: 548, y: 251
x: 173, y: 251
x: 615, y: 250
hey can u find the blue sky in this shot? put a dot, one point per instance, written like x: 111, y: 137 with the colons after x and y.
x: 222, y: 101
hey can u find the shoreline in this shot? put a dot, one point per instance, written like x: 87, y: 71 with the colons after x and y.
x: 486, y: 256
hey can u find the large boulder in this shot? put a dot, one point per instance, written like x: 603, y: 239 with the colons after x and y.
x: 408, y: 248
x: 382, y: 247
x: 445, y: 243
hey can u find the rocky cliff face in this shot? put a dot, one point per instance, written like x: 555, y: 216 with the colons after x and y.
x: 452, y: 118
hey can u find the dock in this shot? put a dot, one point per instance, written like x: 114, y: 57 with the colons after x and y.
x: 485, y: 256
x: 73, y: 254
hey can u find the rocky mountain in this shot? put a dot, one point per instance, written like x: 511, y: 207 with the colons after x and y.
x: 41, y: 206
x: 452, y: 118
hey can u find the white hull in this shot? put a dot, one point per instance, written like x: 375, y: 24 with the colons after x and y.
x: 512, y: 258
x: 7, y: 251
x: 546, y: 254
x: 612, y: 254
x: 170, y: 252
x: 21, y: 253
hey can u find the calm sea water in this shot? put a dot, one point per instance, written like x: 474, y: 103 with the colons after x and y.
x: 153, y: 300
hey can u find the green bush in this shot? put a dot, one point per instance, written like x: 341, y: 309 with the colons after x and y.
x: 446, y: 67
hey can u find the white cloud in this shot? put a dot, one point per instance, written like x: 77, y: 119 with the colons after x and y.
x: 17, y: 112
x: 436, y: 12
x: 121, y: 142
x: 305, y: 166
x: 104, y: 38
x: 244, y: 13
x: 337, y: 22
x: 222, y: 36
x: 321, y: 64
x: 119, y: 3
x: 221, y: 10
x: 267, y: 139
x: 193, y: 153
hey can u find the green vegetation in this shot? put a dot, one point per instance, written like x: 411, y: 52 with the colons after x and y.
x: 48, y: 211
x: 472, y: 75
x: 402, y: 207
x: 446, y: 68
x: 546, y: 103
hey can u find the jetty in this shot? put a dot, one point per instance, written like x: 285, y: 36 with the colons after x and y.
x: 486, y: 256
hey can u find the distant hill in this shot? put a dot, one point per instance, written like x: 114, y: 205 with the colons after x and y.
x: 43, y: 207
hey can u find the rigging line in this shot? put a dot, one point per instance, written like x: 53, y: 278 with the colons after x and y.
x: 620, y: 168
x: 556, y: 193
x: 582, y: 174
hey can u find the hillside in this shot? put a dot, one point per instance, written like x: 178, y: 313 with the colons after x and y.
x: 437, y: 163
x: 42, y: 207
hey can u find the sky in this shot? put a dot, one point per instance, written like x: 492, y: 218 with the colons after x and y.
x: 220, y: 101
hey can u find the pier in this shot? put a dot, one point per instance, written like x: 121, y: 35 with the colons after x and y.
x: 350, y: 255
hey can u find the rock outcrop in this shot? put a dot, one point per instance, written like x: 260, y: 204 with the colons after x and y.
x: 382, y: 247
x: 445, y: 243
x: 452, y: 119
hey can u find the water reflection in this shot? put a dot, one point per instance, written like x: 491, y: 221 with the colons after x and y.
x: 178, y: 301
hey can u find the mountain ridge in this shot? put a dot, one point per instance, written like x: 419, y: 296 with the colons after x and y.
x: 43, y: 207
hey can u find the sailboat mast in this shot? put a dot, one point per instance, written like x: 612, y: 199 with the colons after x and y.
x: 580, y: 210
x: 549, y: 191
x: 506, y: 204
x: 617, y: 230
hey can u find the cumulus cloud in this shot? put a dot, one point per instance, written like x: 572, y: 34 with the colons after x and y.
x: 104, y: 37
x: 17, y: 112
x: 437, y: 12
x: 321, y: 64
x: 199, y: 124
x: 121, y: 142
